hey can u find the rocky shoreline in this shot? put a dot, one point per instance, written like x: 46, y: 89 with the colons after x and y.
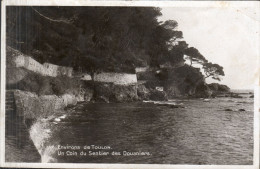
x: 32, y: 107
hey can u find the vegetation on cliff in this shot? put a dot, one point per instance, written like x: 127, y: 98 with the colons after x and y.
x: 87, y: 37
x: 115, y: 39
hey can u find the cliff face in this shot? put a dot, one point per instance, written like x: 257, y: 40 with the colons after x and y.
x: 176, y: 82
x: 23, y: 74
x: 218, y: 89
x: 15, y: 126
x: 33, y: 107
x: 109, y: 92
x: 111, y: 87
x: 184, y: 81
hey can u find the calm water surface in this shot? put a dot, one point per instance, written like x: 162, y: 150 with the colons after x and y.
x: 201, y: 133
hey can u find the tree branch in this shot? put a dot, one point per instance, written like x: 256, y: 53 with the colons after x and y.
x: 207, y: 76
x: 66, y: 21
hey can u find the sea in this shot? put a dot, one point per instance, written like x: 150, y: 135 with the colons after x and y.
x: 202, y: 132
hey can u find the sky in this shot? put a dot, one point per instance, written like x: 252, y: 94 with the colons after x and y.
x: 226, y: 36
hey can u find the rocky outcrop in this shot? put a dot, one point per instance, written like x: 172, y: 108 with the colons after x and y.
x: 25, y: 80
x: 146, y: 93
x: 176, y: 81
x: 186, y: 81
x: 23, y: 109
x: 88, y: 94
x: 143, y: 92
x: 203, y: 91
x: 183, y: 81
x: 109, y: 92
x: 234, y: 95
x: 218, y: 87
x: 31, y: 106
x: 158, y: 95
x: 16, y: 126
x: 14, y: 75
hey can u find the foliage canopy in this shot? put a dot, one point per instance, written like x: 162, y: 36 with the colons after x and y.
x: 93, y: 39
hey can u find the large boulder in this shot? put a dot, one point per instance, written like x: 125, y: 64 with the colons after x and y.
x: 31, y: 106
x: 158, y: 95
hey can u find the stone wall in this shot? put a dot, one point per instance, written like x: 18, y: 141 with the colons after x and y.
x: 56, y: 70
x: 32, y: 106
x: 30, y: 64
x: 141, y: 69
x: 51, y: 68
x: 116, y: 78
x: 46, y: 69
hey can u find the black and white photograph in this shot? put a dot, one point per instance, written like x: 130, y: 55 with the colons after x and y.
x: 130, y: 84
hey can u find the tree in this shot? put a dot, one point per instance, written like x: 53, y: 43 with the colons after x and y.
x: 195, y: 56
x: 94, y: 39
x: 46, y: 33
x: 213, y: 70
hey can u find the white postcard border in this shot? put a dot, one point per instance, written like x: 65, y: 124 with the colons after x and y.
x: 216, y: 4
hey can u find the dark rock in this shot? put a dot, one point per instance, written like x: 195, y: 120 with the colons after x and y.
x: 228, y: 110
x: 177, y: 106
x: 173, y: 90
x: 252, y: 96
x: 88, y: 94
x: 142, y: 92
x: 241, y: 110
x: 171, y: 105
x: 234, y: 95
x: 158, y: 95
x: 102, y: 99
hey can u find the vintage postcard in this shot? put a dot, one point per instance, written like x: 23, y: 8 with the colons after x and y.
x: 130, y: 84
